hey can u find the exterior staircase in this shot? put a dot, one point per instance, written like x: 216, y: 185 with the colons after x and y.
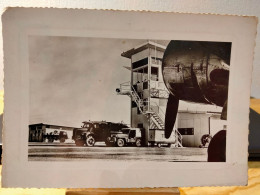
x: 139, y: 102
x: 157, y: 121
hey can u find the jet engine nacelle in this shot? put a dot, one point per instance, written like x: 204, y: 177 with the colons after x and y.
x: 195, y: 71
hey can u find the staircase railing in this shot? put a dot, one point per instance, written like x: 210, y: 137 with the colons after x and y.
x: 160, y: 112
x: 137, y: 99
x: 178, y: 137
x: 158, y: 115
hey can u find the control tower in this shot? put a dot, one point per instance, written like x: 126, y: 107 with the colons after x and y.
x: 148, y: 93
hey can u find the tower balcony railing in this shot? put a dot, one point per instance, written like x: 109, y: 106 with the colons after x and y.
x: 124, y: 89
x: 159, y: 93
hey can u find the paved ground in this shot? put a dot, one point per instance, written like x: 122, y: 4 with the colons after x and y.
x: 65, y: 152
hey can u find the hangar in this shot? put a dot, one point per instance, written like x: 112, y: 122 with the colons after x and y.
x: 37, y: 131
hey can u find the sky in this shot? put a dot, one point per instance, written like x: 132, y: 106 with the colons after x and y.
x: 73, y: 79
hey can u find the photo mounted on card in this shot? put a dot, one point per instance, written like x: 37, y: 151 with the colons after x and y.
x: 107, y: 99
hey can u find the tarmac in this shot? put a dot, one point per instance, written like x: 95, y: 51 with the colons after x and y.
x: 70, y: 152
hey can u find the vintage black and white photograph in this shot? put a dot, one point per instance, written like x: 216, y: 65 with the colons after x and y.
x: 93, y: 97
x: 127, y: 99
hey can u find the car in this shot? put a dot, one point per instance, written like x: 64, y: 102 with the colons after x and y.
x: 126, y: 136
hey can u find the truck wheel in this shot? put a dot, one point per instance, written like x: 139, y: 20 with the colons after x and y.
x: 138, y: 143
x: 120, y: 142
x: 62, y: 140
x: 90, y: 141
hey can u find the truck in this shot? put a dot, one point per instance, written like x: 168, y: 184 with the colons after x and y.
x: 95, y: 131
x: 126, y: 136
x: 55, y: 136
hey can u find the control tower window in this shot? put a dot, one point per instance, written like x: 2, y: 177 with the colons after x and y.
x: 140, y: 75
x: 145, y: 74
x: 134, y: 77
x: 154, y: 73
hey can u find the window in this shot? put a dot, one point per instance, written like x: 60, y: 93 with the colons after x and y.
x: 140, y: 75
x: 126, y: 131
x: 145, y: 74
x: 140, y: 63
x: 132, y: 134
x: 157, y: 61
x: 133, y: 104
x: 145, y: 101
x: 86, y: 125
x: 186, y: 131
x: 154, y: 73
x: 140, y: 125
x: 145, y: 85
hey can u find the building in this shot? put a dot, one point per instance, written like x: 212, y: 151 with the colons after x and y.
x: 149, y: 97
x: 147, y: 91
x: 37, y: 131
x: 194, y: 125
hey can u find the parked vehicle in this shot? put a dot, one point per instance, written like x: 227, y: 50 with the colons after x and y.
x: 95, y: 131
x: 126, y: 136
x: 157, y: 138
x: 56, y: 135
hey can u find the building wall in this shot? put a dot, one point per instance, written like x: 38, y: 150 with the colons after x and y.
x: 200, y: 123
x: 216, y: 125
x: 141, y: 55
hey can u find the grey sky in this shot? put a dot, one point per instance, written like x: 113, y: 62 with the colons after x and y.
x: 73, y: 79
